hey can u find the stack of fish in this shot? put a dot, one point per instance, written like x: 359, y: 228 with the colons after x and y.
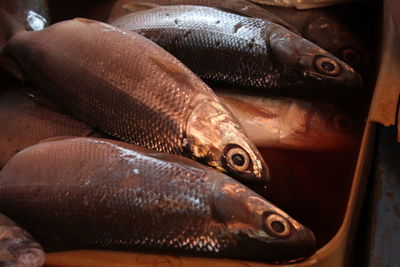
x: 144, y: 79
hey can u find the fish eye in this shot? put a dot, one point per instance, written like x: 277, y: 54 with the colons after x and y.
x: 237, y: 158
x: 351, y: 56
x: 277, y: 225
x: 327, y: 66
x: 341, y: 123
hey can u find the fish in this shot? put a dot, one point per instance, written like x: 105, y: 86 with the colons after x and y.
x: 327, y: 29
x: 303, y: 4
x: 232, y: 51
x: 130, y: 88
x: 324, y: 27
x: 243, y: 7
x: 25, y: 123
x: 289, y: 123
x: 86, y: 193
x: 17, y: 247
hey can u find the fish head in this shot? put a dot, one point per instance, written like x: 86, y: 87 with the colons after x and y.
x: 305, y: 64
x: 214, y: 136
x: 262, y: 231
x: 336, y: 37
x: 321, y: 126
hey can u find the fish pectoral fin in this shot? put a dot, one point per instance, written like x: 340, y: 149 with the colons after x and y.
x: 135, y: 6
x: 9, y: 65
x: 173, y: 70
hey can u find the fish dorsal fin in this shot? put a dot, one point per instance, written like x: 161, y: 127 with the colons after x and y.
x: 9, y: 65
x: 173, y: 70
x: 84, y: 20
x: 138, y: 6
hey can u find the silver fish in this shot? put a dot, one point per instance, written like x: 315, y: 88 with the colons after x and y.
x: 303, y: 4
x: 232, y: 51
x: 292, y: 123
x: 17, y: 247
x: 25, y: 123
x: 101, y: 194
x: 243, y: 7
x: 127, y: 86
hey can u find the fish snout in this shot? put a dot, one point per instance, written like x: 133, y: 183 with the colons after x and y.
x: 335, y: 70
x: 303, y: 242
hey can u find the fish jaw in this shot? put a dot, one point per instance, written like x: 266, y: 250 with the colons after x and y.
x: 224, y: 138
x: 312, y: 66
x: 262, y: 231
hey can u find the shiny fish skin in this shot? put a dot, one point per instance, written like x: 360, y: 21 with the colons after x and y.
x: 132, y: 89
x: 232, y: 51
x: 327, y: 29
x: 33, y: 14
x: 240, y: 6
x: 303, y: 4
x: 98, y: 193
x: 25, y: 123
x: 292, y: 123
x: 17, y: 247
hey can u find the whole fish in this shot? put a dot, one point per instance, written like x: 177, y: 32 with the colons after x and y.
x: 101, y: 194
x: 231, y: 51
x: 292, y: 123
x: 326, y: 28
x: 17, y: 247
x: 25, y: 123
x: 129, y: 87
x: 320, y: 26
x: 303, y: 4
x: 244, y: 7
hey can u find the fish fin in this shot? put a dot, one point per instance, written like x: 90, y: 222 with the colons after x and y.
x: 84, y: 20
x: 173, y: 70
x: 9, y: 65
x: 138, y: 6
x: 248, y: 9
x: 57, y: 138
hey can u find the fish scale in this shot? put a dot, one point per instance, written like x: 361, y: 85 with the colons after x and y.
x: 86, y: 193
x: 151, y: 198
x: 232, y: 51
x: 129, y: 87
x: 243, y: 65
